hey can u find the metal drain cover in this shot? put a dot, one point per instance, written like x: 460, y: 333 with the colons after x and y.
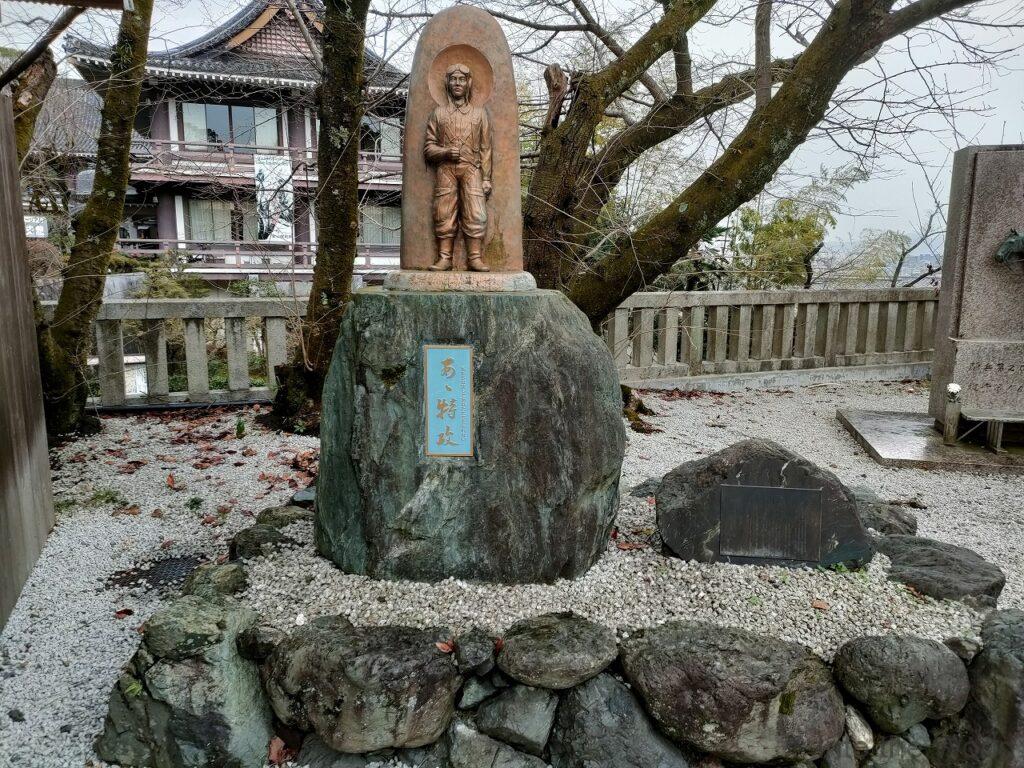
x: 159, y: 574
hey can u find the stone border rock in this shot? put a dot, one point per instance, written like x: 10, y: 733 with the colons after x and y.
x: 673, y: 696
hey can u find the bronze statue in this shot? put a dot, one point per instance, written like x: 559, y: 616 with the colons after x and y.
x: 458, y: 144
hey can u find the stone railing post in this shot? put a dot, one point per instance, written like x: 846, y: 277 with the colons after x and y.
x: 110, y: 362
x: 197, y: 368
x: 154, y: 346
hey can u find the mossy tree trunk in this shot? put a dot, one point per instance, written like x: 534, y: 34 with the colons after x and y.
x: 341, y: 108
x: 27, y: 95
x: 572, y: 183
x: 65, y: 344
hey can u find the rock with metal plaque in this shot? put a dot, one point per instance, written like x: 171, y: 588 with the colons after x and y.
x: 471, y: 423
x: 757, y: 502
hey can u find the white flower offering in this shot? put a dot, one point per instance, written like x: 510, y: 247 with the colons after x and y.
x: 953, y: 392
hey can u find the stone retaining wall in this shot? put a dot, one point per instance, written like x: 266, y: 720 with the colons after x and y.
x: 555, y: 690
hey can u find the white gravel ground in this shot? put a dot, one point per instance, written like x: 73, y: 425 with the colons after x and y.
x: 63, y: 646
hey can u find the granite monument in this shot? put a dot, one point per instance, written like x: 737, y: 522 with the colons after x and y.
x: 977, y: 387
x: 979, y: 342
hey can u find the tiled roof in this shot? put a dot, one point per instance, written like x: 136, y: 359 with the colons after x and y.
x: 69, y: 120
x: 207, y: 57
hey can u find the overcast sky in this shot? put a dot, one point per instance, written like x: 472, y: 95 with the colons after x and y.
x: 888, y: 200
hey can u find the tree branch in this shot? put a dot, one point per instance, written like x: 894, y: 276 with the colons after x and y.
x: 763, y: 53
x: 613, y: 45
x: 918, y: 13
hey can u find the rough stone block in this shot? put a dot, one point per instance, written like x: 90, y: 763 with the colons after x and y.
x: 534, y: 503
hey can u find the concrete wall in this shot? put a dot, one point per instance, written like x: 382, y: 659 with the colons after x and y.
x: 26, y: 502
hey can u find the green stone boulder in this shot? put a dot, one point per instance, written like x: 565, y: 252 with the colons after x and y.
x: 537, y: 500
x: 187, y: 698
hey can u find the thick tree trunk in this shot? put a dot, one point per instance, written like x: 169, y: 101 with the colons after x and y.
x: 65, y: 345
x: 28, y: 95
x: 337, y: 204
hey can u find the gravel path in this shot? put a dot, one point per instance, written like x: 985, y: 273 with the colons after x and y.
x: 63, y: 646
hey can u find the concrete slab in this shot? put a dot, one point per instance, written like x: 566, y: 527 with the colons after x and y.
x: 898, y: 439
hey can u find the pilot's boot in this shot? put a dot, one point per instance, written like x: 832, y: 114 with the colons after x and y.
x: 444, y: 255
x: 476, y: 264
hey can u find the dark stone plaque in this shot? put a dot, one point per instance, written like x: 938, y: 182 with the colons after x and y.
x: 758, y: 502
x: 770, y: 523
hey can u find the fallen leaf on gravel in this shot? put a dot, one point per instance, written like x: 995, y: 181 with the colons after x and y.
x: 914, y: 591
x: 131, y: 467
x: 627, y: 545
x: 123, y: 613
x: 157, y: 513
x: 211, y: 520
x: 651, y: 500
x: 117, y: 453
x: 167, y: 544
x: 172, y: 484
x: 279, y: 753
x: 165, y: 457
x: 129, y: 510
x: 222, y: 559
x: 819, y: 605
x: 79, y: 458
x: 224, y: 509
x: 446, y: 646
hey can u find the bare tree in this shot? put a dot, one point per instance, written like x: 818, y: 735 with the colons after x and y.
x: 341, y: 109
x: 65, y: 344
x: 623, y: 103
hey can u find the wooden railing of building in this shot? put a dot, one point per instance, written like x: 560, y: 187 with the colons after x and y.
x: 651, y: 336
x: 673, y: 335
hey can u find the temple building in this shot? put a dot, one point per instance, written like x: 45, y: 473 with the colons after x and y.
x: 224, y: 164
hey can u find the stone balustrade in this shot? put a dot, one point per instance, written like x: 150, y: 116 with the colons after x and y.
x: 153, y: 316
x: 651, y: 336
x: 679, y: 334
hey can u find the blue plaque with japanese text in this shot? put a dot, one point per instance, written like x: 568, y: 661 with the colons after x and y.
x: 448, y: 400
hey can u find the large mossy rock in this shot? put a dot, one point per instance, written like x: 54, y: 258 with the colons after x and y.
x: 363, y: 689
x: 601, y: 724
x: 537, y: 501
x: 521, y: 716
x: 468, y: 748
x: 743, y: 697
x: 188, y: 699
x: 989, y: 731
x: 901, y: 680
x: 692, y: 517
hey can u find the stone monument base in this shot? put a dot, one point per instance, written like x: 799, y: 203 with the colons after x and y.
x: 459, y: 280
x: 899, y: 439
x: 536, y: 499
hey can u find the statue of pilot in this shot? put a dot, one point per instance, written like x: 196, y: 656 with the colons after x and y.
x: 458, y: 144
